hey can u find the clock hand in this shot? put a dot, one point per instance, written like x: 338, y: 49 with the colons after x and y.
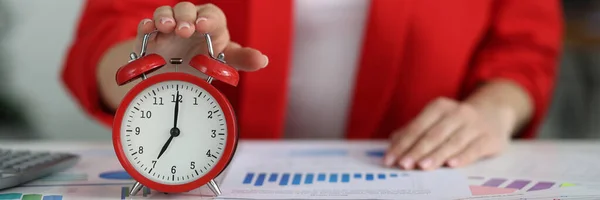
x: 174, y: 133
x: 164, y: 148
x: 176, y: 109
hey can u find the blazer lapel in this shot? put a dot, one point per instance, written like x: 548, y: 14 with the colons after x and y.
x: 379, y: 67
x: 262, y: 94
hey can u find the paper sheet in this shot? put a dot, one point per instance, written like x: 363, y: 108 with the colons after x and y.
x: 557, y: 172
x: 544, y: 160
x: 328, y: 171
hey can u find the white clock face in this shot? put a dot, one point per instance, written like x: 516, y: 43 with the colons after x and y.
x: 170, y: 153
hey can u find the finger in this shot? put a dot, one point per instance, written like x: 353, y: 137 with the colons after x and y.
x: 433, y: 138
x: 462, y: 115
x: 476, y: 149
x: 185, y: 17
x: 245, y: 59
x: 458, y: 141
x: 210, y: 19
x: 145, y: 26
x: 406, y: 137
x: 164, y: 20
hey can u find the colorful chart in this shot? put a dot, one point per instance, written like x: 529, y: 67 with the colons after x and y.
x: 125, y: 192
x: 285, y: 179
x: 377, y: 153
x: 517, y: 184
x: 116, y: 175
x: 20, y: 196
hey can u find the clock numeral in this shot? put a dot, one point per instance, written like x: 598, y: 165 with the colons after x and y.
x: 214, y: 133
x: 210, y: 112
x: 208, y: 154
x: 153, y: 163
x: 195, y: 100
x: 158, y: 101
x: 193, y: 165
x: 146, y: 114
x: 179, y: 98
x: 137, y: 130
x: 141, y: 150
x: 173, y: 169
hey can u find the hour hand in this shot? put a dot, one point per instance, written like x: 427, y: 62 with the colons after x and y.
x: 174, y: 133
x: 164, y: 148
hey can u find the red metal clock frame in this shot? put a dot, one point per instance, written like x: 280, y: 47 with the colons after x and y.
x: 230, y: 144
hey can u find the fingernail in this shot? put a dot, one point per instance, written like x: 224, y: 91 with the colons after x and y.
x: 267, y: 62
x: 145, y: 21
x: 406, y: 163
x: 201, y: 19
x: 166, y: 20
x: 453, y: 162
x: 426, y: 163
x: 183, y: 25
x: 388, y: 161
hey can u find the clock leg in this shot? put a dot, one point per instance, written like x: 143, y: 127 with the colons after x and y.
x: 135, y: 189
x: 214, y: 187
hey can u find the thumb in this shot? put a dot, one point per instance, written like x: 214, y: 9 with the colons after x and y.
x: 244, y: 58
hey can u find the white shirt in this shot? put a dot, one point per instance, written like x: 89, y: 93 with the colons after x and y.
x: 326, y: 50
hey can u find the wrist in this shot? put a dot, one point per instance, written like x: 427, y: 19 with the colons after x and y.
x: 498, y: 115
x: 504, y: 105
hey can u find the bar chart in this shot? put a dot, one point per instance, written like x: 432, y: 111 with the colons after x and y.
x: 518, y: 184
x: 21, y: 196
x: 332, y: 172
x: 125, y: 192
x: 291, y: 179
x: 115, y: 175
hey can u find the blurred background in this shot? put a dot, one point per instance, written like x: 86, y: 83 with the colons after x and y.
x: 35, y: 34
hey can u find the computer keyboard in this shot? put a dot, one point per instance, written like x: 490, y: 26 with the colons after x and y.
x: 21, y: 166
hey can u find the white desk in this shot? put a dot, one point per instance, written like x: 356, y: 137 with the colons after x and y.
x: 527, y: 162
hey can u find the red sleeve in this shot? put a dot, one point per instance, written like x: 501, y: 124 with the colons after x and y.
x: 103, y: 23
x: 523, y: 45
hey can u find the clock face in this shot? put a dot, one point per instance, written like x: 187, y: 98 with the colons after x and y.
x: 173, y: 132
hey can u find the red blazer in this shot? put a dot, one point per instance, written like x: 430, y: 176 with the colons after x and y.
x: 414, y: 51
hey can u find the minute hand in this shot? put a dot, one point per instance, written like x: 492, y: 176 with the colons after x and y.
x: 176, y: 110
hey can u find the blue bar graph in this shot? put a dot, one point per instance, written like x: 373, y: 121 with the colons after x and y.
x: 322, y: 177
x: 345, y: 178
x: 273, y: 177
x: 295, y: 178
x: 284, y: 179
x: 309, y: 178
x: 52, y: 197
x: 260, y: 179
x: 333, y: 178
x: 248, y: 178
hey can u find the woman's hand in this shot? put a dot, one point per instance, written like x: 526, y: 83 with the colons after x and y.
x: 180, y: 34
x: 448, y: 132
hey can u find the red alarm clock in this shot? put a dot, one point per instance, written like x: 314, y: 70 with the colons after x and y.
x: 175, y: 132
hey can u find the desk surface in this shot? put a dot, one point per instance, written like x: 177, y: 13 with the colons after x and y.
x: 557, y: 162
